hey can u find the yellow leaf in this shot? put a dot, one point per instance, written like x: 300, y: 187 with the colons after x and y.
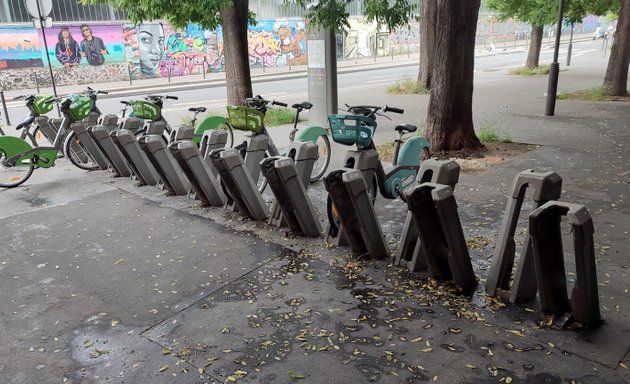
x: 119, y: 261
x: 416, y: 339
x: 166, y: 351
x: 622, y: 365
x: 435, y: 378
x: 164, y: 368
x: 200, y: 370
x: 427, y: 350
x: 470, y: 366
x: 508, y: 380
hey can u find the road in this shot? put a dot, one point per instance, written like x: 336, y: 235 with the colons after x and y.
x: 488, y: 68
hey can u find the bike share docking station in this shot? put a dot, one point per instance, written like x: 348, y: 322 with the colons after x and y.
x: 548, y: 255
x: 205, y: 185
x: 212, y: 139
x: 171, y: 175
x: 101, y: 134
x: 304, y: 155
x: 244, y: 196
x: 81, y: 133
x: 287, y: 183
x: 545, y: 186
x: 142, y: 169
x: 434, y: 212
x: 409, y: 251
x: 359, y: 224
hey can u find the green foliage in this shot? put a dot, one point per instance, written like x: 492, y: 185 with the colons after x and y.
x: 590, y: 94
x: 489, y: 133
x: 407, y: 86
x: 333, y: 14
x: 179, y: 14
x: 526, y: 71
x: 545, y: 12
x: 279, y: 116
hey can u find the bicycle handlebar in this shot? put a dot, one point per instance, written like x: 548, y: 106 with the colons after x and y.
x: 279, y: 103
x: 393, y: 109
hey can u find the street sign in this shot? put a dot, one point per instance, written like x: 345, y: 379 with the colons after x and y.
x: 45, y: 7
x: 45, y: 22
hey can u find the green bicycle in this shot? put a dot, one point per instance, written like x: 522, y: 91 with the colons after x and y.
x: 18, y: 159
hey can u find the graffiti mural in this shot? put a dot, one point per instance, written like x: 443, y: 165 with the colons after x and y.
x: 94, y: 44
x: 405, y: 39
x: 159, y: 50
x: 291, y: 35
x: 19, y: 48
x: 277, y: 43
x: 190, y: 51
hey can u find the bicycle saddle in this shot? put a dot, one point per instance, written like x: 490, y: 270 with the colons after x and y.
x: 303, y: 105
x: 406, y: 127
x: 197, y: 109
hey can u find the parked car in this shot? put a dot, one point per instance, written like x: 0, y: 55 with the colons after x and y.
x: 600, y: 33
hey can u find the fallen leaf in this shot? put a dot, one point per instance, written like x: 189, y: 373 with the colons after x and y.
x: 119, y: 261
x: 164, y: 368
x: 294, y: 375
x: 166, y: 351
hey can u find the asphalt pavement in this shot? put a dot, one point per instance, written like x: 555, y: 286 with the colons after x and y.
x: 106, y: 282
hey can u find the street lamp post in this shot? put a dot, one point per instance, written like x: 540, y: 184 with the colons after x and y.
x: 554, y: 71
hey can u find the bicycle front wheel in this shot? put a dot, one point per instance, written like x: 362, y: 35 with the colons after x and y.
x: 321, y: 164
x: 12, y: 176
x: 78, y: 155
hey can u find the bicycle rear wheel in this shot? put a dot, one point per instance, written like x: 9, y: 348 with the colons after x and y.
x: 321, y: 164
x: 12, y: 176
x: 77, y: 153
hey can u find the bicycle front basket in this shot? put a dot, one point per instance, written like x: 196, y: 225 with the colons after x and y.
x: 145, y: 110
x: 352, y: 129
x: 245, y: 119
x: 80, y: 107
x: 43, y: 104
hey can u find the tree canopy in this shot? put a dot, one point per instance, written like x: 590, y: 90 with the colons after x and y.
x: 545, y: 12
x: 205, y: 13
x: 334, y: 13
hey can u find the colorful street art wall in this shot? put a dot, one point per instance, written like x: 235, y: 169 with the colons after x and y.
x: 104, y: 52
x: 19, y: 48
x: 95, y: 44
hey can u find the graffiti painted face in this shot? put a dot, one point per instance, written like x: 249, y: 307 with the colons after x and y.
x: 151, y: 45
x: 65, y: 33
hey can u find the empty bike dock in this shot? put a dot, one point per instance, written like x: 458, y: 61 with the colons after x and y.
x: 291, y: 196
x: 244, y: 194
x: 137, y: 160
x: 172, y: 177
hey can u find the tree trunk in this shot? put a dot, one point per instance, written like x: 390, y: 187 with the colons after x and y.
x: 449, y: 117
x: 237, y: 75
x: 535, y: 42
x: 616, y: 78
x: 428, y: 25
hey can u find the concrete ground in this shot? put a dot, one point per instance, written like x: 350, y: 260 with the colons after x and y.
x: 106, y: 282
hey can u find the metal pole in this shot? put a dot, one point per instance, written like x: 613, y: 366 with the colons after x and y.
x: 570, y: 48
x: 605, y: 45
x: 52, y: 76
x: 36, y: 81
x: 129, y: 72
x: 554, y: 71
x: 4, y: 107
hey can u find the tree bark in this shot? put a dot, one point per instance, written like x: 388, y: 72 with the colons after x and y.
x: 428, y: 25
x: 535, y: 43
x: 616, y: 78
x: 237, y: 74
x: 449, y: 117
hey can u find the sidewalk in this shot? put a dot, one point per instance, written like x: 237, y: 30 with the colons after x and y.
x: 103, y: 281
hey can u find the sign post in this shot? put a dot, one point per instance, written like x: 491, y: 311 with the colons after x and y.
x: 322, y: 75
x: 40, y: 9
